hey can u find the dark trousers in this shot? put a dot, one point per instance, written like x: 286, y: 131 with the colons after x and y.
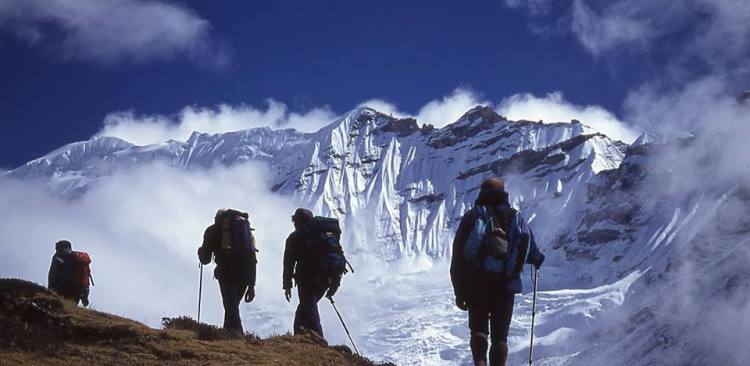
x: 489, y: 317
x: 307, y: 316
x: 231, y: 296
x: 76, y: 296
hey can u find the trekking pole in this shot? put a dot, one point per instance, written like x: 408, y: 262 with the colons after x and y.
x: 344, y: 324
x: 533, y: 314
x: 200, y: 293
x: 349, y: 264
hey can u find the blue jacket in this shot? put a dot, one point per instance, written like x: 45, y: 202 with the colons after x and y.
x: 462, y: 270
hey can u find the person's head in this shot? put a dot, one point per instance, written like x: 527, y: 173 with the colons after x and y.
x: 302, y: 217
x: 492, y: 192
x: 493, y: 184
x: 220, y: 212
x: 63, y: 245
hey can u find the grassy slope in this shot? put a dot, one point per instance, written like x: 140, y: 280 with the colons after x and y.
x: 38, y: 327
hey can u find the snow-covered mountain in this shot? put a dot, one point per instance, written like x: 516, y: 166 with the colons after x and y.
x: 612, y: 231
x: 413, y: 182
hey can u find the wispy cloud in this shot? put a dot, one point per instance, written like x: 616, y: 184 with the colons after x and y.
x: 149, y: 129
x: 554, y: 108
x: 438, y: 112
x: 111, y: 31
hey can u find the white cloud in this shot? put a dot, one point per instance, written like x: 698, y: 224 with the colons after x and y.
x: 149, y: 129
x: 450, y: 108
x: 142, y: 228
x: 384, y: 106
x: 534, y: 7
x: 603, y: 33
x: 554, y: 108
x: 438, y: 112
x: 109, y: 31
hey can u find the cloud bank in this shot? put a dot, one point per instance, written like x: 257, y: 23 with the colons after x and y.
x: 554, y: 108
x: 111, y: 31
x: 142, y: 227
x: 150, y: 129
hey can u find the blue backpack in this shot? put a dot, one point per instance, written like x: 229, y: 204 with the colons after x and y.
x: 324, y: 248
x: 496, y: 246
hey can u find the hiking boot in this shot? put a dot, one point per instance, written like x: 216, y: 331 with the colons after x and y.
x: 498, y: 354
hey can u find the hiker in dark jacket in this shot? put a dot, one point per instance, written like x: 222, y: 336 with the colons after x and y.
x: 311, y: 286
x: 233, y: 249
x: 60, y: 276
x: 484, y: 284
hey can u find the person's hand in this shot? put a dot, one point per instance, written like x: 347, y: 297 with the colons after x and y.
x: 538, y: 263
x: 250, y: 294
x: 461, y: 304
x: 288, y: 294
x: 332, y: 291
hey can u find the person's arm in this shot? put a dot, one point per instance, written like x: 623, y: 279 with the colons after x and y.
x: 206, y: 251
x: 457, y: 260
x: 535, y: 257
x: 253, y: 265
x: 290, y: 259
x: 250, y: 293
x: 53, y: 275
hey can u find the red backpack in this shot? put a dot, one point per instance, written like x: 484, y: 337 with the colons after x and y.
x: 81, y: 276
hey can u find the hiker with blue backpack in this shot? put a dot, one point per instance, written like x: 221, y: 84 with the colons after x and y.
x: 491, y: 246
x: 230, y: 242
x: 313, y: 257
x: 69, y: 274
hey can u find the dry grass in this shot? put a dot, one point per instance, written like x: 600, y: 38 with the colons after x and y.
x: 39, y: 328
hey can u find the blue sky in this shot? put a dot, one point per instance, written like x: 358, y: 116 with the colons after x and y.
x: 66, y: 66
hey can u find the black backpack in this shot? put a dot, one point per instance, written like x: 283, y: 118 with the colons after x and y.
x: 324, y: 247
x: 237, y: 243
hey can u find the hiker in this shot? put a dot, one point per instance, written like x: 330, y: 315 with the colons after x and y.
x: 69, y: 274
x: 492, y: 243
x: 314, y: 259
x: 231, y: 243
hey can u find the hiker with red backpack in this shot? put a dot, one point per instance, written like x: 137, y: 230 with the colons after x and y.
x: 491, y: 246
x: 313, y: 257
x: 70, y: 273
x: 230, y: 242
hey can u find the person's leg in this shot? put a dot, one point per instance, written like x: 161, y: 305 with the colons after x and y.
x: 307, y: 315
x: 299, y: 315
x: 478, y: 326
x: 500, y: 318
x: 314, y: 314
x: 231, y: 295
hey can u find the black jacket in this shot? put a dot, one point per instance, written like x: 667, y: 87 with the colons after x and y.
x: 299, y: 264
x: 59, y: 266
x: 229, y: 269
